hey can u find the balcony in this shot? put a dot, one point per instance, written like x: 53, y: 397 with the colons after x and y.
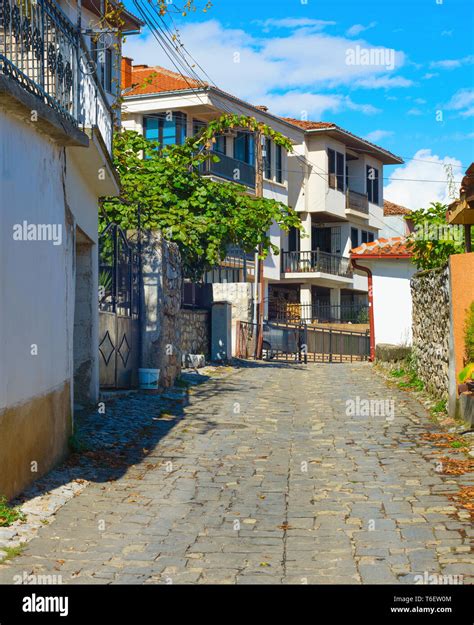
x: 358, y: 202
x: 230, y: 169
x: 43, y: 52
x: 311, y: 262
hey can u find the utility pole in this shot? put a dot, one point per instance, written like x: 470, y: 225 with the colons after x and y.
x: 259, y: 138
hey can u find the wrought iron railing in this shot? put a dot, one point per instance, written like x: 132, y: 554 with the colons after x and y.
x: 315, y: 261
x: 119, y: 288
x: 319, y: 312
x: 357, y: 201
x: 230, y: 169
x: 43, y: 51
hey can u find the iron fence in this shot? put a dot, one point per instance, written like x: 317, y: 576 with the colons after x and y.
x: 230, y: 169
x: 43, y: 51
x: 319, y: 313
x: 315, y: 261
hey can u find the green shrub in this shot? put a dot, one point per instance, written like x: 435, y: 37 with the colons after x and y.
x: 9, y: 515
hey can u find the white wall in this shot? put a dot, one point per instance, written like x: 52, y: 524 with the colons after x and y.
x: 392, y: 300
x: 37, y: 277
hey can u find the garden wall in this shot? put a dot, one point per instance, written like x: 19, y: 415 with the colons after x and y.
x: 195, y: 331
x: 161, y: 303
x: 431, y: 328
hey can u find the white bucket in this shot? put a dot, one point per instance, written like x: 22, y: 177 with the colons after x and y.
x: 148, y: 378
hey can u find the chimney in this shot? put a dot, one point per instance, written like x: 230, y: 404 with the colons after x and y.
x: 126, y: 73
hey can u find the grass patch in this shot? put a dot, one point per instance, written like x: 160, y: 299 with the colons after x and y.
x: 9, y: 515
x: 11, y: 552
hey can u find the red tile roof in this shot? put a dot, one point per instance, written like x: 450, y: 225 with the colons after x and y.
x: 311, y: 125
x: 389, y: 208
x: 395, y: 247
x: 307, y: 125
x: 147, y: 80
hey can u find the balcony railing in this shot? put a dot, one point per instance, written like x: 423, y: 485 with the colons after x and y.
x: 318, y: 312
x: 357, y: 201
x: 315, y: 261
x: 230, y: 169
x: 42, y: 50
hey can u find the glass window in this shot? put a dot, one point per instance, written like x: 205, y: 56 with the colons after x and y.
x: 364, y: 236
x: 244, y: 148
x: 373, y: 184
x: 340, y: 171
x: 336, y: 170
x: 370, y: 237
x: 220, y: 145
x: 278, y: 163
x: 166, y: 128
x: 268, y: 158
x: 354, y: 237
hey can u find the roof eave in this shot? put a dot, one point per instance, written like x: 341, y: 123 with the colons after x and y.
x: 390, y: 159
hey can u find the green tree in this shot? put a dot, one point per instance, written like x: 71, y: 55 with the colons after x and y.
x: 202, y: 216
x: 434, y: 240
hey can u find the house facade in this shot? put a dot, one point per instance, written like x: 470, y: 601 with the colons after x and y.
x: 56, y: 126
x: 389, y: 269
x: 332, y: 178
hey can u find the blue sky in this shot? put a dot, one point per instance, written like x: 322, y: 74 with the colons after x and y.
x: 413, y: 92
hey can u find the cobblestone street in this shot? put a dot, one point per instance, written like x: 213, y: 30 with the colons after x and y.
x: 261, y: 476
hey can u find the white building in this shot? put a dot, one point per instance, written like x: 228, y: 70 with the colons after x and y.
x: 389, y: 268
x: 395, y: 223
x: 56, y: 128
x: 333, y: 179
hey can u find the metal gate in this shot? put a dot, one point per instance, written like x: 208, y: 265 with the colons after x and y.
x: 119, y: 293
x: 299, y: 342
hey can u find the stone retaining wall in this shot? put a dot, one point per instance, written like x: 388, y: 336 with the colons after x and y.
x: 195, y: 332
x: 431, y: 324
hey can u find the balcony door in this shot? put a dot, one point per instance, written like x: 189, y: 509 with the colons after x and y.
x: 321, y: 237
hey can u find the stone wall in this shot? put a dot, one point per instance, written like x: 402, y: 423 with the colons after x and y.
x: 431, y: 326
x: 195, y: 331
x: 161, y: 303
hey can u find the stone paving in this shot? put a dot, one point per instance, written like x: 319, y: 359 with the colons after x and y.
x: 261, y: 476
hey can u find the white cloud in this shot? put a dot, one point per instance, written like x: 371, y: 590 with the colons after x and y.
x: 355, y: 30
x: 384, y: 82
x: 453, y: 63
x: 415, y: 112
x: 463, y: 102
x: 258, y: 69
x: 302, y: 22
x: 428, y: 167
x: 378, y: 135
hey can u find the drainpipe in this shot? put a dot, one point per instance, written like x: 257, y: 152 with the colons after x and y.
x: 371, y: 306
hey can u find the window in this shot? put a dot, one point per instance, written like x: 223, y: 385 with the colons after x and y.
x: 268, y: 158
x: 367, y: 237
x: 103, y: 59
x: 293, y: 240
x: 336, y: 169
x: 278, y: 163
x: 354, y: 237
x: 198, y: 125
x: 373, y: 184
x: 244, y: 148
x: 220, y: 145
x: 166, y: 128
